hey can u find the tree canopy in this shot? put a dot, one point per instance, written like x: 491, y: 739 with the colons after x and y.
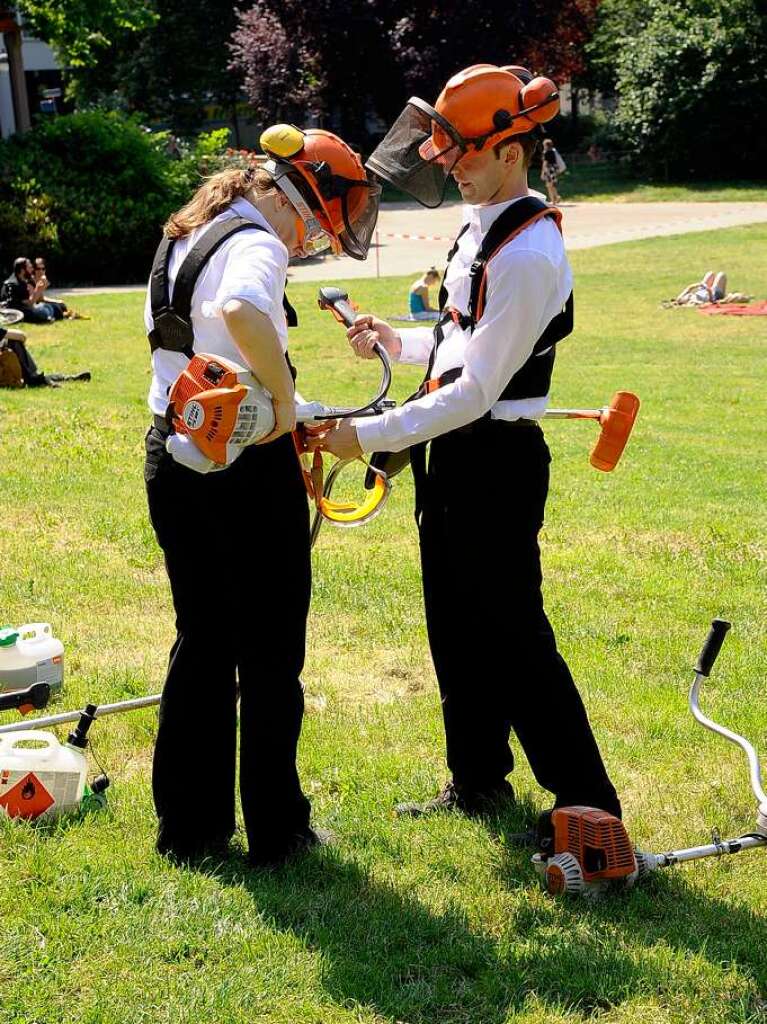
x: 690, y: 88
x: 79, y: 30
x: 354, y: 56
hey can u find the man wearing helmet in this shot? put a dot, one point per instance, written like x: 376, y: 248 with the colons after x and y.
x: 217, y: 287
x: 506, y: 301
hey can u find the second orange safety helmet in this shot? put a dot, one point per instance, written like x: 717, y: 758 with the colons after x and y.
x: 485, y: 104
x: 479, y: 107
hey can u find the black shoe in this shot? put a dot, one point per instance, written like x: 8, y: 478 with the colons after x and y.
x: 85, y: 375
x: 541, y: 837
x: 274, y: 856
x: 457, y: 798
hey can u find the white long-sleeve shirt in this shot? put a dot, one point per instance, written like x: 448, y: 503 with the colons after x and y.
x: 528, y: 283
x: 251, y: 265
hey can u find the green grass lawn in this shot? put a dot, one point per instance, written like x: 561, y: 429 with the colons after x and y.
x: 608, y: 181
x: 438, y: 921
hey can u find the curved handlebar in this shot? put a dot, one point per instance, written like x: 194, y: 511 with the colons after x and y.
x: 337, y: 301
x: 712, y: 646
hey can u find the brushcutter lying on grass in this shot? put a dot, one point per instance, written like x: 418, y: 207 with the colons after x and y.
x: 589, y: 851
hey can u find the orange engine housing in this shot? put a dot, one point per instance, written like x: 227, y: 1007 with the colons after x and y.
x: 598, y: 841
x: 221, y: 406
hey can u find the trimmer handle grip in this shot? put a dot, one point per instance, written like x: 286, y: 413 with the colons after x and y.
x: 712, y: 646
x: 337, y: 301
x: 34, y: 698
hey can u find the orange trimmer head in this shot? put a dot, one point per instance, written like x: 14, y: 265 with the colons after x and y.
x: 616, y: 422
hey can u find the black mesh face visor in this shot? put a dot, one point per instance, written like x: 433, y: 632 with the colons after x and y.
x: 359, y: 207
x: 351, y: 202
x: 420, y: 150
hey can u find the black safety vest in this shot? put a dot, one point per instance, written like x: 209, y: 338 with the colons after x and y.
x: 533, y: 378
x: 173, y: 319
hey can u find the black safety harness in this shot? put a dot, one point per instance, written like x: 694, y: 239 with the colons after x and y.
x: 531, y: 380
x: 173, y: 319
x: 534, y: 377
x: 173, y: 329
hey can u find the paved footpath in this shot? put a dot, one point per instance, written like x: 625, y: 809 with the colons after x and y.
x: 409, y: 239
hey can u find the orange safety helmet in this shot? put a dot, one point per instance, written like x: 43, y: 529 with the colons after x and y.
x: 479, y: 107
x: 485, y: 104
x: 341, y: 196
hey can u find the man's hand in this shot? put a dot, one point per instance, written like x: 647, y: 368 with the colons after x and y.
x: 339, y: 438
x: 367, y: 330
x: 284, y: 420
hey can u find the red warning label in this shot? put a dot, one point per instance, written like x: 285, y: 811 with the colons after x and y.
x: 27, y: 799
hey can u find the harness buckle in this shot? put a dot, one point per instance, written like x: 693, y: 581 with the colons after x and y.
x: 174, y: 332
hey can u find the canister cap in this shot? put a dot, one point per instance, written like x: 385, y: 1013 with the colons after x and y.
x: 8, y: 636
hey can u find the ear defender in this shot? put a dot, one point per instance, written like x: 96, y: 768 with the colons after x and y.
x: 521, y: 73
x: 501, y: 120
x: 282, y: 141
x: 540, y: 100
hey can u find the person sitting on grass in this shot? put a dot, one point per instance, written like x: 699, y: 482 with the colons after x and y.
x: 15, y: 341
x: 41, y: 283
x: 420, y: 308
x: 18, y: 292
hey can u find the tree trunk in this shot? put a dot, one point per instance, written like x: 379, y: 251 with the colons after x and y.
x: 18, y: 81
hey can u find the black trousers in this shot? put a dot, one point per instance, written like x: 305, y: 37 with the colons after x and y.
x: 236, y: 546
x: 494, y: 651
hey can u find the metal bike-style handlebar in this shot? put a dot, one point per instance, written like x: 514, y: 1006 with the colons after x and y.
x: 703, y: 666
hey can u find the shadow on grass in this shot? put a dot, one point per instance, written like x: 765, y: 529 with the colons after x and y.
x: 380, y: 946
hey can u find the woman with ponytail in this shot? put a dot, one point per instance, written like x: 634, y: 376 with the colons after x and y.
x: 236, y: 540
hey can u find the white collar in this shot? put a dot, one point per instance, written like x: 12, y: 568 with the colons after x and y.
x: 483, y: 216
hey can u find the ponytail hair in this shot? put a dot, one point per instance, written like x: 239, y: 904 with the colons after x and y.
x: 214, y: 195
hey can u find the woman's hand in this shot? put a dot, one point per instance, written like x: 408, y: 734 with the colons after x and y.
x: 284, y: 420
x: 339, y: 438
x: 367, y: 330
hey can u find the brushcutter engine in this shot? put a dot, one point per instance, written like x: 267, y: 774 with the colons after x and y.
x: 217, y: 408
x: 590, y: 852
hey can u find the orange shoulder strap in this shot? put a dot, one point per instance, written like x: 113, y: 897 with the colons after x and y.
x: 534, y: 210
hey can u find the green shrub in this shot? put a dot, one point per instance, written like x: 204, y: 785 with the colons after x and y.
x: 91, y: 191
x: 690, y: 90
